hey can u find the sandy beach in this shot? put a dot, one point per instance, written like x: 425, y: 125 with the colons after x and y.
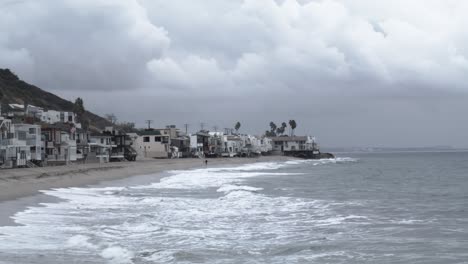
x: 19, y: 183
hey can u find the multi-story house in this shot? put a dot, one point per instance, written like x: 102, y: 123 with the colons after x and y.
x: 20, y: 144
x: 100, y: 148
x: 295, y: 143
x: 59, y: 143
x: 153, y: 143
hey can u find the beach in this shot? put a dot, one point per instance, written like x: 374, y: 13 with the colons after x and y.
x: 19, y: 183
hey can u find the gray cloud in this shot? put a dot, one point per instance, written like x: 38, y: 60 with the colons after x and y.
x: 358, y: 72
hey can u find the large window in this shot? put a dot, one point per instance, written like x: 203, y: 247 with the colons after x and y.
x: 146, y: 139
x: 21, y: 135
x: 32, y: 131
x: 157, y: 139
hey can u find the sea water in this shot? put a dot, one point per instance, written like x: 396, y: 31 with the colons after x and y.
x: 363, y: 208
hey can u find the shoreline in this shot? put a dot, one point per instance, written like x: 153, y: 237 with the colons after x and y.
x: 19, y: 183
x: 19, y: 188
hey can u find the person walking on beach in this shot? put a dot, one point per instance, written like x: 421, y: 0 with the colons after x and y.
x: 206, y: 162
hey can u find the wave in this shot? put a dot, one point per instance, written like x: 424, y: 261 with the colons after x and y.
x: 114, y: 225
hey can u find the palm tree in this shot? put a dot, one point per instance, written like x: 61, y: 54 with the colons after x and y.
x: 283, y: 127
x: 293, y: 125
x: 237, y: 126
x: 273, y: 128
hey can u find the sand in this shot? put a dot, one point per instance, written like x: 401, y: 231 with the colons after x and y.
x: 19, y: 183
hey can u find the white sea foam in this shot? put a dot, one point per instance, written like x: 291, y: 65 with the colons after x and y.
x: 80, y: 241
x: 110, y: 223
x: 229, y: 188
x: 118, y: 255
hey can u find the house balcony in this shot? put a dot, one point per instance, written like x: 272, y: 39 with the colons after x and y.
x: 13, y: 142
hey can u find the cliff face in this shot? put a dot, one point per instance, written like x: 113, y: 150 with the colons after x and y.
x: 14, y: 90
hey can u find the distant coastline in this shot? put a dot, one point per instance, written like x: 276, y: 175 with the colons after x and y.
x: 395, y: 150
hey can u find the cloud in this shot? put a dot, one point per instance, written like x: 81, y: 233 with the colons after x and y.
x: 337, y: 67
x: 80, y: 45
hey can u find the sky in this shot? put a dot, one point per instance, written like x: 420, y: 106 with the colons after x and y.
x: 350, y: 72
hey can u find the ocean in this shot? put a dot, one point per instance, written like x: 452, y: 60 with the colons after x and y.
x: 358, y: 208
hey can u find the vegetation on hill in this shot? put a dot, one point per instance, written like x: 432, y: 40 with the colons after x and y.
x: 15, y: 91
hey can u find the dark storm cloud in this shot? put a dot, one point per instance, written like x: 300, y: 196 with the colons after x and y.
x: 357, y: 72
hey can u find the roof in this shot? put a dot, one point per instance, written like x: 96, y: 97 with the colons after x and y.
x: 101, y: 135
x: 202, y: 134
x: 60, y: 126
x: 149, y: 133
x: 284, y: 139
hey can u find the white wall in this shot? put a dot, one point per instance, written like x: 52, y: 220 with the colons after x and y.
x: 153, y: 148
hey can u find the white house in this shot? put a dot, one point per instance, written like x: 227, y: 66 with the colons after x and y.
x: 294, y: 143
x: 266, y: 146
x: 31, y: 134
x: 53, y: 117
x: 232, y: 145
x: 153, y: 143
x: 19, y: 143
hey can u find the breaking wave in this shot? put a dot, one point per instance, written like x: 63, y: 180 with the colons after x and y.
x: 187, y: 222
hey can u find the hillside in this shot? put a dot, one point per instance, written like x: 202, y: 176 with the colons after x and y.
x: 14, y: 90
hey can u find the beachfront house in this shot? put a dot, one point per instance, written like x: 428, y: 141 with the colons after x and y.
x: 59, y: 143
x: 295, y: 143
x: 216, y: 144
x: 31, y: 136
x: 180, y: 146
x: 232, y: 146
x: 82, y: 143
x: 251, y: 146
x: 20, y: 144
x: 266, y: 146
x: 100, y: 148
x: 153, y: 143
x: 121, y: 145
x: 199, y: 144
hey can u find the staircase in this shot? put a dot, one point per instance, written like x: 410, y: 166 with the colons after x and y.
x: 30, y: 164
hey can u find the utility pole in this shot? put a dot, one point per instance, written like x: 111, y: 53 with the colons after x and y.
x: 149, y: 123
x: 202, y: 125
x: 215, y: 128
x: 186, y: 128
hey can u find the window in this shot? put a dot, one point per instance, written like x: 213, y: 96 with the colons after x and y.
x: 157, y: 139
x: 32, y: 131
x: 102, y: 141
x: 21, y: 135
x: 70, y: 118
x: 146, y: 139
x: 165, y: 139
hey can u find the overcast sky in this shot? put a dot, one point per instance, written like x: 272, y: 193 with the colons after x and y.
x: 350, y: 72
